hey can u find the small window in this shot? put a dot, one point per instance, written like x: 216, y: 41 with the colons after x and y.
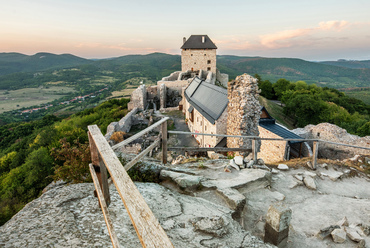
x: 208, y: 68
x: 197, y: 119
x: 205, y: 128
x: 318, y: 134
x: 208, y: 62
x: 205, y: 54
x: 195, y: 63
x: 200, y: 122
x: 191, y: 55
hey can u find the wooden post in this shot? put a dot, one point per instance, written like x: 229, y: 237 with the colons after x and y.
x: 254, y: 150
x: 315, y: 150
x: 100, y: 169
x: 300, y: 150
x: 164, y: 142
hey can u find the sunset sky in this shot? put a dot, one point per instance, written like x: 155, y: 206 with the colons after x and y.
x: 311, y: 30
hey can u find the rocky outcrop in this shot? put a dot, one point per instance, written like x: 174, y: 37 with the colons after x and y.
x: 333, y: 133
x: 69, y: 216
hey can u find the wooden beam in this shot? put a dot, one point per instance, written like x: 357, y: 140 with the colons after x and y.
x: 104, y: 208
x: 315, y: 150
x: 205, y: 149
x: 147, y: 227
x: 341, y: 144
x: 141, y: 155
x: 254, y: 150
x: 101, y: 173
x: 164, y: 142
x: 139, y: 134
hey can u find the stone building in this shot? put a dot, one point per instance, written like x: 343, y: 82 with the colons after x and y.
x: 214, y: 110
x: 205, y: 111
x: 198, y: 53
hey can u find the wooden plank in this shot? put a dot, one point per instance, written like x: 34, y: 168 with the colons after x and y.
x: 147, y: 227
x: 205, y: 149
x: 164, y: 143
x: 141, y: 155
x: 239, y: 136
x: 254, y: 151
x: 139, y: 134
x: 342, y: 144
x: 102, y: 173
x: 315, y: 150
x: 104, y: 208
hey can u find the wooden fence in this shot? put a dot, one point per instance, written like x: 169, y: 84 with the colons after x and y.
x: 147, y: 227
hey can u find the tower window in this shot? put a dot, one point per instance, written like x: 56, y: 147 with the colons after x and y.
x: 208, y: 61
x: 208, y: 68
x: 191, y: 55
x: 205, y: 54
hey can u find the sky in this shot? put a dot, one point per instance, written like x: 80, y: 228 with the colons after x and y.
x: 314, y: 30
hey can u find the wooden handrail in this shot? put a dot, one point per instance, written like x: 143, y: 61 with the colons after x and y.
x: 139, y: 134
x: 147, y: 227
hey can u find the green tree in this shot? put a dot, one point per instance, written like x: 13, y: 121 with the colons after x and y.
x: 266, y: 89
x: 280, y: 86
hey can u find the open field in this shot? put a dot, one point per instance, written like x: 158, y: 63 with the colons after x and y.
x: 16, y: 99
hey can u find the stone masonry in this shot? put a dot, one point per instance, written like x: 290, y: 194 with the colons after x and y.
x: 244, y: 111
x: 198, y: 59
x: 138, y: 98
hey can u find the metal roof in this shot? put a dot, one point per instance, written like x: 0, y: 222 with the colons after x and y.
x: 208, y: 99
x: 195, y: 42
x: 270, y: 125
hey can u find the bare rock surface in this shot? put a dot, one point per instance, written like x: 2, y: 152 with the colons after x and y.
x: 69, y: 216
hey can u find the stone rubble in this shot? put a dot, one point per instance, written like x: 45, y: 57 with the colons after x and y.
x: 283, y: 167
x: 309, y: 182
x: 339, y: 235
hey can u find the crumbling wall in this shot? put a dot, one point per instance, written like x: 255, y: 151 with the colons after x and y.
x: 223, y: 78
x: 244, y: 111
x: 123, y: 125
x: 331, y: 132
x: 172, y: 77
x: 162, y: 96
x: 138, y: 98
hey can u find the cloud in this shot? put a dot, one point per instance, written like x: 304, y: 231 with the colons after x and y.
x: 282, y: 39
x: 338, y: 25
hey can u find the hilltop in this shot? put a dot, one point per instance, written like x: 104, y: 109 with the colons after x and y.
x: 17, y: 62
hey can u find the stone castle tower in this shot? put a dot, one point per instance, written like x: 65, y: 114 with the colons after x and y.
x: 198, y: 53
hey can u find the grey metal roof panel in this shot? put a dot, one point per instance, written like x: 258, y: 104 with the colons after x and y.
x: 192, y: 86
x: 195, y: 42
x: 279, y: 130
x: 208, y: 99
x: 191, y: 108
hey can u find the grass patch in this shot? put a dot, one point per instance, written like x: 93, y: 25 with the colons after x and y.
x: 276, y: 112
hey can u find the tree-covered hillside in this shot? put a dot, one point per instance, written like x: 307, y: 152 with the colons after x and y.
x: 33, y: 154
x: 17, y: 62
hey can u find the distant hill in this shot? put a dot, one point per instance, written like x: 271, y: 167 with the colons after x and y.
x: 354, y: 64
x: 17, y: 62
x: 154, y: 65
x: 157, y: 65
x: 294, y: 70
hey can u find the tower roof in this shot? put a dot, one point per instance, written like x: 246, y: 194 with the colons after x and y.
x: 199, y: 42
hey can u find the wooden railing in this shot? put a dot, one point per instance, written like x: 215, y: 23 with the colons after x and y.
x: 254, y: 151
x: 148, y: 229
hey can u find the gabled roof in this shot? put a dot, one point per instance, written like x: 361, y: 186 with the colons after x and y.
x: 208, y: 99
x: 195, y: 42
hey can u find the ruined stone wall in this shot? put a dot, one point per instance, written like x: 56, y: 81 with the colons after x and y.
x: 221, y: 125
x: 138, y: 98
x: 223, y: 78
x: 162, y: 96
x: 244, y: 110
x: 177, y: 84
x: 172, y: 77
x: 152, y: 92
x: 331, y: 132
x: 197, y: 59
x: 123, y: 125
x: 271, y: 151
